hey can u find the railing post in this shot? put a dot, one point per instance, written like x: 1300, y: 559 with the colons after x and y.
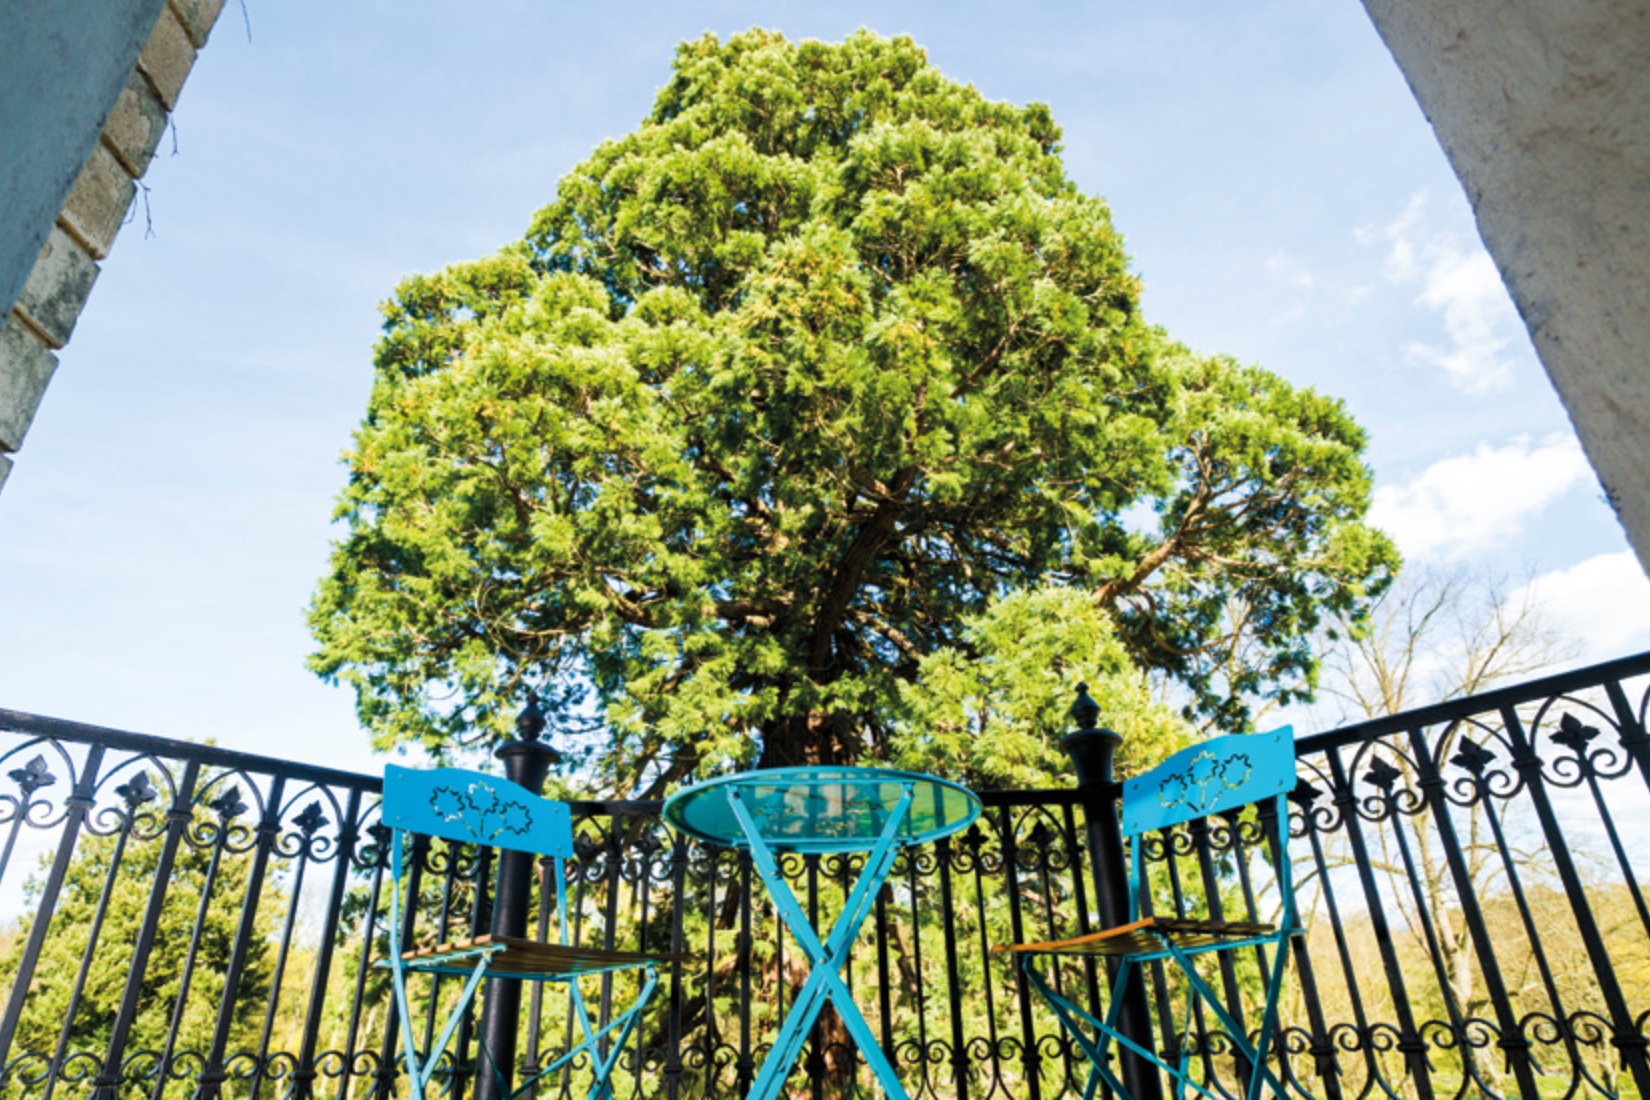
x: 527, y: 760
x: 1092, y: 751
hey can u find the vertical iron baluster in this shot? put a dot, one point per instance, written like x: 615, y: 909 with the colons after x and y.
x: 641, y: 894
x: 575, y: 868
x: 1322, y: 1050
x: 746, y: 1068
x: 1512, y: 1041
x: 885, y: 991
x: 1232, y: 822
x: 30, y: 778
x: 1265, y: 809
x: 1631, y: 731
x: 308, y: 823
x: 1627, y: 1039
x: 1215, y: 907
x: 107, y: 1083
x: 1016, y: 923
x: 442, y: 932
x: 79, y: 803
x: 815, y: 1062
x: 948, y: 909
x: 303, y: 1077
x: 1170, y: 1025
x: 384, y: 1076
x: 615, y: 864
x: 1576, y: 736
x: 781, y: 987
x: 369, y: 922
x: 134, y: 793
x: 210, y: 1084
x: 464, y: 1067
x: 1476, y: 761
x: 1385, y: 776
x: 678, y: 947
x: 1085, y: 925
x: 228, y: 807
x: 1409, y: 1039
x: 1040, y: 838
x: 1306, y: 794
x: 845, y: 866
x: 531, y: 1056
x: 910, y: 858
x: 974, y: 841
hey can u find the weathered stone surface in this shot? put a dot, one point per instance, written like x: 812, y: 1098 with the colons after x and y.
x: 25, y: 368
x: 198, y: 16
x: 62, y: 65
x: 168, y: 57
x: 135, y: 126
x: 97, y: 206
x: 5, y: 470
x: 1544, y: 111
x: 57, y: 288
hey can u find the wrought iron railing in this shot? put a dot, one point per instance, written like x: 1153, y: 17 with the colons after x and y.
x: 185, y: 921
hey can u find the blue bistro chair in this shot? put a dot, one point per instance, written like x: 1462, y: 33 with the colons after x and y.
x: 481, y: 809
x: 1222, y: 774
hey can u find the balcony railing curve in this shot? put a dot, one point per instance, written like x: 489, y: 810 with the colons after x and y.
x: 189, y: 921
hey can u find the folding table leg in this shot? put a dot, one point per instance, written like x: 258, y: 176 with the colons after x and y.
x: 823, y: 981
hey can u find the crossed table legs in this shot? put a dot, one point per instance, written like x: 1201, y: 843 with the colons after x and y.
x: 824, y: 981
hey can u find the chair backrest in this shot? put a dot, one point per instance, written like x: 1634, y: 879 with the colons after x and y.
x: 457, y: 804
x: 1220, y: 774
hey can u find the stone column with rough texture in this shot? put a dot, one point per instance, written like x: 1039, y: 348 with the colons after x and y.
x: 1543, y: 109
x: 86, y: 89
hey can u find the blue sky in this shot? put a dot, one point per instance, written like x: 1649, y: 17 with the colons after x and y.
x: 1280, y: 192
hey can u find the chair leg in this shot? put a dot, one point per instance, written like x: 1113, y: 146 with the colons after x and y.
x: 602, y: 1086
x: 420, y: 1076
x: 1269, y: 1021
x: 1072, y: 1018
x: 1239, y: 1039
x: 1184, y: 1061
x: 584, y: 1045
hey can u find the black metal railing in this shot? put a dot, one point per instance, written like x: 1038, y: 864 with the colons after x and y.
x: 185, y: 921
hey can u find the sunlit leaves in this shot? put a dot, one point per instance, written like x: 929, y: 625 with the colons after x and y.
x: 782, y: 393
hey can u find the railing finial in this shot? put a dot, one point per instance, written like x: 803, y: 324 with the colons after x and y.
x: 530, y: 722
x: 1085, y: 711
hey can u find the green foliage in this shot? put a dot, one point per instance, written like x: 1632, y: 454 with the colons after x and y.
x: 191, y: 880
x: 994, y: 707
x: 785, y: 390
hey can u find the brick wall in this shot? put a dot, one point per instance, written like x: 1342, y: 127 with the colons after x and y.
x: 43, y: 317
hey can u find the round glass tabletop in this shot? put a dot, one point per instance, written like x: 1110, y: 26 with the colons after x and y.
x: 822, y: 809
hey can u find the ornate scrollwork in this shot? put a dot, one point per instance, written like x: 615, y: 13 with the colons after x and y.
x: 1582, y: 753
x: 31, y: 773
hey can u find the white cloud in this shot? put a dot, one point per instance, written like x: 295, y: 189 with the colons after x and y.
x: 1460, y: 284
x: 1603, y: 602
x: 1467, y: 502
x: 1291, y: 271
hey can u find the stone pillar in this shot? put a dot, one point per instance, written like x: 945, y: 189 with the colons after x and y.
x: 1092, y: 751
x: 86, y: 88
x: 1543, y: 109
x: 527, y: 761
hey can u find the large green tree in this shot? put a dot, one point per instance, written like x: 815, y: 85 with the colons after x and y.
x: 783, y: 389
x: 205, y: 894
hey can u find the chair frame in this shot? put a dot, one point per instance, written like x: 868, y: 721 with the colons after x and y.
x: 1197, y: 782
x: 471, y: 807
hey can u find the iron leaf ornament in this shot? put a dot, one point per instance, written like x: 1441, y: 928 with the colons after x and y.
x: 33, y: 776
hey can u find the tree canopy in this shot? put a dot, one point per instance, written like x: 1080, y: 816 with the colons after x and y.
x: 783, y: 391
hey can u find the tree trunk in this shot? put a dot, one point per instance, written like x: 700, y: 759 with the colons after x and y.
x: 813, y: 738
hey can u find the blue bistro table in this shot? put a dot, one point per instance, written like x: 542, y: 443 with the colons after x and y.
x: 823, y: 810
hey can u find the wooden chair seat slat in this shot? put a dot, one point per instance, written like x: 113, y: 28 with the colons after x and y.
x: 1145, y: 936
